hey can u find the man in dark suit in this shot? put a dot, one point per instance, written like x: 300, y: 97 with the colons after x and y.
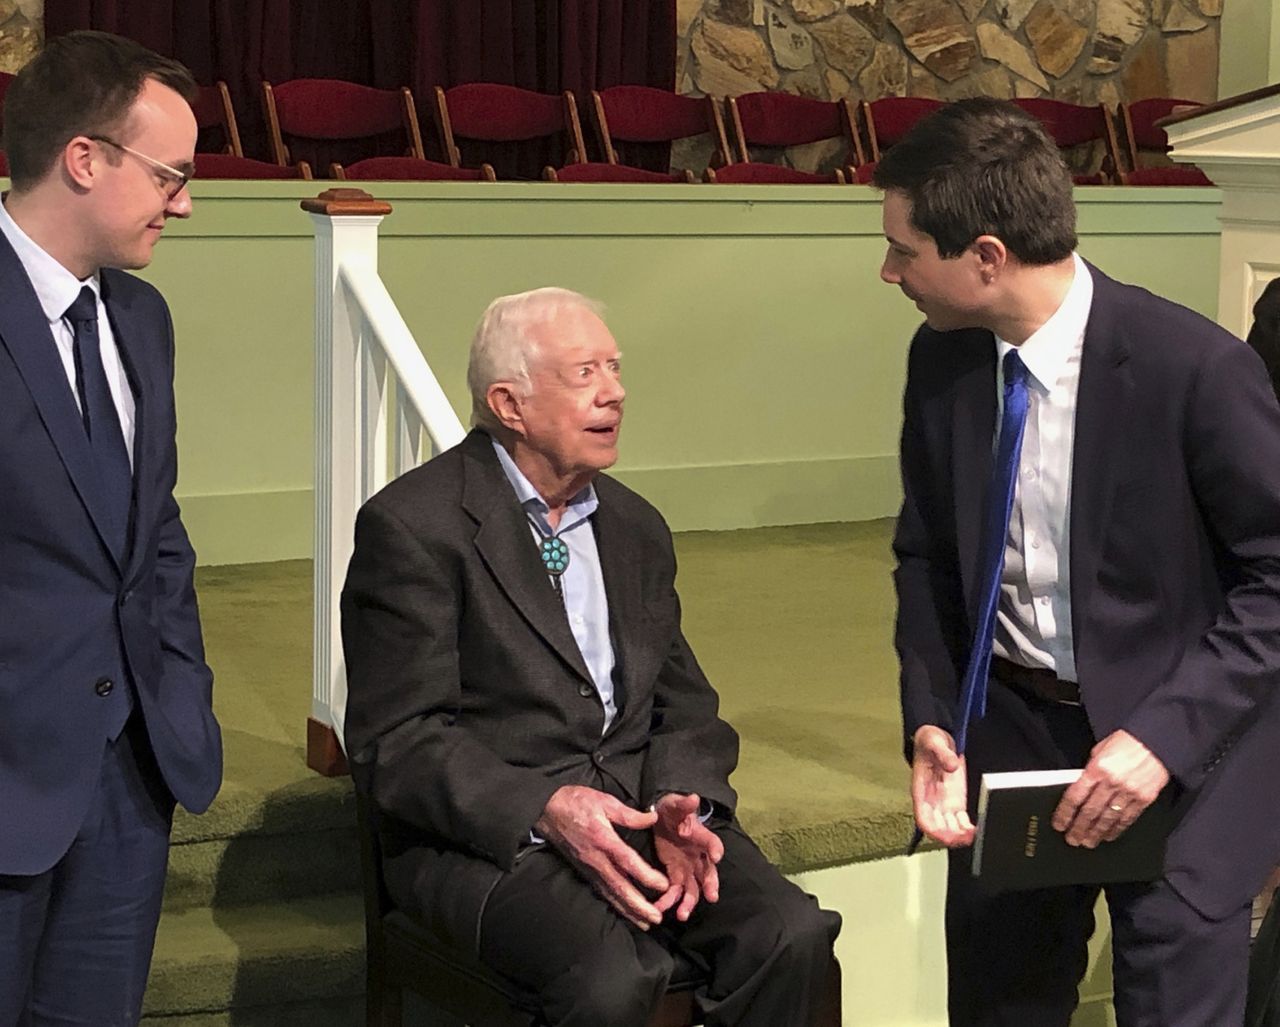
x: 1137, y: 616
x: 543, y: 748
x: 105, y: 714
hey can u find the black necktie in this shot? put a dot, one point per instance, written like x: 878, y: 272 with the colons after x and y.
x: 101, y: 421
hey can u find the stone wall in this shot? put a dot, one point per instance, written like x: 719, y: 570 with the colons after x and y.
x: 21, y: 22
x: 1084, y: 51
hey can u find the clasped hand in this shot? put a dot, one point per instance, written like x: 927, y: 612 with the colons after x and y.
x: 581, y: 822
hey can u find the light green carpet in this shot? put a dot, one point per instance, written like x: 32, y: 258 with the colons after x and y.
x: 792, y: 625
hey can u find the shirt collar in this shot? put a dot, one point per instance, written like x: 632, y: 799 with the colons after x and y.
x: 580, y: 507
x: 56, y: 287
x: 1049, y: 349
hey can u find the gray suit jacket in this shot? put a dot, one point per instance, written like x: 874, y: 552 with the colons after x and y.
x: 469, y: 703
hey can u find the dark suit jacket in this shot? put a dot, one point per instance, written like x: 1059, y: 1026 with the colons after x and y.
x: 469, y: 702
x: 70, y: 613
x: 1174, y: 561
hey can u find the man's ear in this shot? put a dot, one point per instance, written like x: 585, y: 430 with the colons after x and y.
x: 505, y: 403
x: 992, y: 255
x: 78, y: 161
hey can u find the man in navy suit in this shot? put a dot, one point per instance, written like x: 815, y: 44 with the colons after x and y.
x: 105, y: 698
x: 1137, y: 630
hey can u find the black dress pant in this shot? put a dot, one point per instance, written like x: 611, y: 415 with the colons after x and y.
x: 1016, y: 959
x: 766, y: 945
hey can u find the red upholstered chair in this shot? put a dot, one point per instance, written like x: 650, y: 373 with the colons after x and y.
x: 638, y: 122
x: 1143, y: 135
x: 409, y: 169
x: 324, y: 119
x: 226, y: 165
x: 770, y: 174
x: 596, y: 172
x: 784, y: 120
x: 1071, y: 125
x: 4, y: 165
x: 488, y: 112
x: 213, y: 111
x: 888, y: 119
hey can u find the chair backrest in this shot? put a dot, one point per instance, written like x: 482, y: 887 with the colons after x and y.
x: 213, y: 110
x: 356, y: 121
x: 1071, y: 125
x: 644, y: 114
x: 226, y: 165
x: 495, y: 113
x: 781, y: 119
x: 409, y: 169
x: 889, y: 118
x: 1140, y: 129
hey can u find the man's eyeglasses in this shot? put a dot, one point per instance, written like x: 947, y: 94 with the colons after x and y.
x: 174, y: 179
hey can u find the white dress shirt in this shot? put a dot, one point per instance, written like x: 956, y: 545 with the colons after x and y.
x: 1033, y: 620
x: 56, y: 289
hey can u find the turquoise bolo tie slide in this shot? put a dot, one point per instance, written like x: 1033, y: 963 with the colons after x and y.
x: 555, y: 556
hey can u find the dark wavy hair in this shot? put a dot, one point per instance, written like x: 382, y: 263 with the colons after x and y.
x: 984, y: 167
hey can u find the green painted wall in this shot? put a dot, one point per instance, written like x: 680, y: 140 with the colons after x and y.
x: 1249, y: 46
x: 764, y: 358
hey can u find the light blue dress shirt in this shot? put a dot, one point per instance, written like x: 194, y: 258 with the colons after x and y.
x: 582, y: 582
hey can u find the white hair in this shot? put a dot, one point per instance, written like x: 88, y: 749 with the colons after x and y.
x: 504, y: 346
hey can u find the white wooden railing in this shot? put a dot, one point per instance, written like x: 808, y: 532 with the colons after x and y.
x: 376, y: 399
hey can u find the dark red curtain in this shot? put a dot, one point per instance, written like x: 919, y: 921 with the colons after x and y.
x: 537, y: 44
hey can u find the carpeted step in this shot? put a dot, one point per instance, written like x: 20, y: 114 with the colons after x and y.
x: 347, y: 1011
x: 270, y: 955
x: 255, y: 868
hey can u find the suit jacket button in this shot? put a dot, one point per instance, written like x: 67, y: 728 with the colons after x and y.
x: 586, y: 691
x: 598, y: 757
x: 103, y: 686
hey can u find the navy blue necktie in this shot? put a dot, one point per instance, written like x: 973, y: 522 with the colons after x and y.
x: 101, y: 421
x: 1004, y: 476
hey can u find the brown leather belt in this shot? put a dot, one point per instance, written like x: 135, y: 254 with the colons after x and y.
x: 1038, y: 681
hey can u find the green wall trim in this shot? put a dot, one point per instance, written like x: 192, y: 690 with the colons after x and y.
x: 511, y: 210
x: 249, y: 527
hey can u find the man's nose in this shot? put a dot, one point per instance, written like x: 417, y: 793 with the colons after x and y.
x: 180, y: 205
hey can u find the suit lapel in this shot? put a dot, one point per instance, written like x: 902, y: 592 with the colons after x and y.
x: 25, y: 333
x: 504, y: 543
x: 973, y: 428
x: 1106, y: 387
x: 129, y: 333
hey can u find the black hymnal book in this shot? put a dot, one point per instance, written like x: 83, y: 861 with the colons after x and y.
x: 1017, y: 847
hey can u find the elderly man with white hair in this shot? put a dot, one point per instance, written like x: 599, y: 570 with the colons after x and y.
x: 543, y: 750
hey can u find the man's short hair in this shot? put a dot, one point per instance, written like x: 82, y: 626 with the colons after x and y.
x: 504, y: 347
x: 984, y: 167
x: 83, y: 83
